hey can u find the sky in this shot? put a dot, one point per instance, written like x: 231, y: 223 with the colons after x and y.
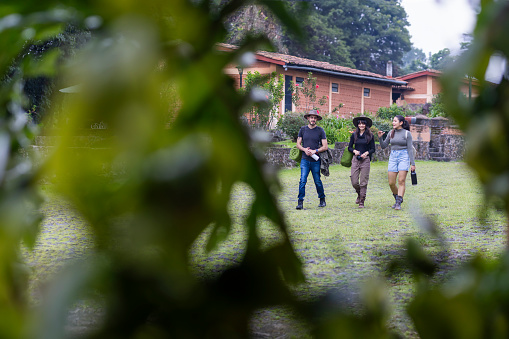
x: 439, y: 24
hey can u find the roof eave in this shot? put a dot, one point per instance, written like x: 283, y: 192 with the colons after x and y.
x: 274, y: 61
x: 348, y: 75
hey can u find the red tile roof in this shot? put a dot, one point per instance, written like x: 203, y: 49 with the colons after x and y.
x: 283, y: 59
x: 433, y: 73
x: 430, y: 72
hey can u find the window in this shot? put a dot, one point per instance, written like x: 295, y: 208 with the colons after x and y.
x: 367, y: 92
x: 288, y: 93
x: 334, y: 88
x: 299, y: 80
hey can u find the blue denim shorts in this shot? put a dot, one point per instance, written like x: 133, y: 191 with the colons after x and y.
x: 399, y: 161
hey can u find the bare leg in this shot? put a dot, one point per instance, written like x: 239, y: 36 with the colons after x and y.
x: 401, y: 183
x: 392, y: 182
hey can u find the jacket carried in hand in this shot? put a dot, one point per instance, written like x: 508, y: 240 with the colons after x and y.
x: 325, y: 161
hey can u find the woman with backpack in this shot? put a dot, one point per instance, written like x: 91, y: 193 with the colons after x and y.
x: 364, y: 142
x: 401, y: 158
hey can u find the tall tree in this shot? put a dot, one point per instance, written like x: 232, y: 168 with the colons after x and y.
x: 442, y: 59
x: 38, y: 88
x: 255, y: 19
x: 364, y: 34
x: 325, y: 39
x: 414, y: 61
x: 376, y: 33
x: 412, y: 55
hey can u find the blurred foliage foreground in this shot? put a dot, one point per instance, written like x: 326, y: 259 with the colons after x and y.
x: 153, y: 189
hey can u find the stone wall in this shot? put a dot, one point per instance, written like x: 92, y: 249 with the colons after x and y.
x: 434, y: 139
x: 453, y: 146
x: 278, y: 156
x: 421, y: 147
x: 420, y: 132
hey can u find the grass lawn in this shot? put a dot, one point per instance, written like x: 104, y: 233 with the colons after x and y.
x: 286, y: 143
x: 341, y: 246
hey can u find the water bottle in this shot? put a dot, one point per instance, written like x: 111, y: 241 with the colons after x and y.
x: 316, y: 157
x: 413, y: 175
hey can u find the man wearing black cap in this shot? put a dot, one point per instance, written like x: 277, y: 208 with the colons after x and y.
x: 311, y: 141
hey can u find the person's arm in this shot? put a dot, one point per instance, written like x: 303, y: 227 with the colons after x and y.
x: 299, y: 143
x: 384, y: 143
x: 350, y: 144
x: 324, y: 146
x: 307, y: 151
x: 371, y: 148
x: 410, y: 150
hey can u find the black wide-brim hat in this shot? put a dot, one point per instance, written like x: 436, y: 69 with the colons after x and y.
x: 368, y: 121
x: 313, y: 112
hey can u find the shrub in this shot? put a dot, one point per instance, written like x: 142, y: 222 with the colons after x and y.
x: 263, y: 113
x: 390, y: 112
x: 336, y: 129
x: 381, y: 125
x: 437, y: 108
x: 290, y: 123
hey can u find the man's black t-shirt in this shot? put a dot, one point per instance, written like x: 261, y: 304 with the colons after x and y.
x: 311, y: 138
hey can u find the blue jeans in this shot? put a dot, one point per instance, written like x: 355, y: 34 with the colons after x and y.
x: 314, y: 167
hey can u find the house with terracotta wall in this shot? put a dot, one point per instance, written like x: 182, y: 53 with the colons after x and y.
x: 424, y: 85
x: 358, y: 91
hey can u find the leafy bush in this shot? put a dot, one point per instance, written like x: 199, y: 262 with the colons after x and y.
x: 381, y: 125
x: 290, y: 123
x: 437, y: 108
x: 141, y: 254
x: 390, y: 112
x: 145, y: 261
x: 336, y: 129
x: 264, y: 113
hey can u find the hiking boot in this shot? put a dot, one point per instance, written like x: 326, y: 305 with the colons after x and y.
x: 322, y: 202
x: 399, y: 200
x: 300, y: 204
x: 358, y: 200
x: 396, y: 200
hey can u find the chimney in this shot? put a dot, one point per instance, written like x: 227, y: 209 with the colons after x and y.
x: 388, y: 70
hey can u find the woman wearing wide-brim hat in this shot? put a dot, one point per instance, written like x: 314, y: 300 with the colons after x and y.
x: 362, y: 145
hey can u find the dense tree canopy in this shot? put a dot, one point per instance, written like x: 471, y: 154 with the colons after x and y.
x: 38, y: 88
x: 442, y: 59
x: 364, y: 34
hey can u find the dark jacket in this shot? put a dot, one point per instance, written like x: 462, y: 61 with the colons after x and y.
x: 326, y: 160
